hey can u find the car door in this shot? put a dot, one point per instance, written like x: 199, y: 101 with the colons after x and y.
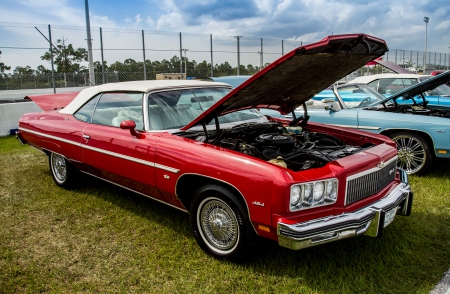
x: 115, y: 154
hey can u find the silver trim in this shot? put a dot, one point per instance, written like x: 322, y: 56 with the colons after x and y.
x: 51, y: 137
x: 349, y: 178
x: 137, y: 192
x: 366, y: 172
x: 356, y: 127
x: 133, y: 159
x: 219, y: 180
x: 367, y: 221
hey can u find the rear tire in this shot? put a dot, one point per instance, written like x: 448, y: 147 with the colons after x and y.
x: 414, y: 153
x: 220, y: 223
x: 63, y: 172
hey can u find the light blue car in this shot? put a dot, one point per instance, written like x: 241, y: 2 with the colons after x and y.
x: 421, y: 131
x: 389, y: 84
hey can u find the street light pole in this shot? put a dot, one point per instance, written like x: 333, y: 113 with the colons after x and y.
x: 89, y: 43
x: 185, y: 63
x: 426, y: 20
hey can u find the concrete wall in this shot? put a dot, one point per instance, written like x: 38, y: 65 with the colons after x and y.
x: 10, y: 114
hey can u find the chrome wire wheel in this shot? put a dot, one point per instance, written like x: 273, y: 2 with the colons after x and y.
x: 218, y: 225
x: 412, y: 153
x: 58, y: 167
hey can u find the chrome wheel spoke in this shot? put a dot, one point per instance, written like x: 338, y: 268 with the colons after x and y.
x: 219, y: 224
x: 411, y: 154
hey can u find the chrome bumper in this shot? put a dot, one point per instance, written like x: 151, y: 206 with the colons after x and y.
x: 369, y: 221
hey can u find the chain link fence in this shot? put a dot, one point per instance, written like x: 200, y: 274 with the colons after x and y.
x: 29, y: 52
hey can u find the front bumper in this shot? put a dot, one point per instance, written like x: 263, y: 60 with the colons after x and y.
x: 369, y: 221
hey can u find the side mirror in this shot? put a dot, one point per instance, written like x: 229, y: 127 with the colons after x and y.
x: 333, y: 107
x: 131, y: 125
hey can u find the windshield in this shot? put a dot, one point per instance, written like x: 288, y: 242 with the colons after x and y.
x: 354, y: 96
x: 175, y: 109
x: 442, y: 90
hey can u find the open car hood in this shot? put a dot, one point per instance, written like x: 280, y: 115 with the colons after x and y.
x: 417, y: 89
x: 298, y: 75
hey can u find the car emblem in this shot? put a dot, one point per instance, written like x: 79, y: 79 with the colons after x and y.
x: 391, y: 171
x: 381, y: 164
x: 258, y: 203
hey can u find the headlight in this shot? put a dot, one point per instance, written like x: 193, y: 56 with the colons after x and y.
x: 313, y: 194
x: 295, y: 195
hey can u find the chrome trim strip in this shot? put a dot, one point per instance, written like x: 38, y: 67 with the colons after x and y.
x: 156, y: 199
x: 356, y: 127
x: 349, y: 178
x: 51, y: 137
x: 366, y: 172
x: 133, y: 159
x: 367, y: 221
x: 219, y: 180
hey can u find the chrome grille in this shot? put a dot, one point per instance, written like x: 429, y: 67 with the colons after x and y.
x: 370, y: 182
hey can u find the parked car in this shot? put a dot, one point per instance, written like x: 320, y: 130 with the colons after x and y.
x: 390, y: 84
x: 235, y: 172
x: 420, y: 131
x: 233, y: 81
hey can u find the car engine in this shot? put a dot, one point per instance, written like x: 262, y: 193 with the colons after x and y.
x: 422, y: 110
x: 291, y: 147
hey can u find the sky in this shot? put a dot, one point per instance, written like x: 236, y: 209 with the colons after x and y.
x: 399, y: 22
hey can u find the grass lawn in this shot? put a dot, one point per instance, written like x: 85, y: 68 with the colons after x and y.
x: 101, y: 238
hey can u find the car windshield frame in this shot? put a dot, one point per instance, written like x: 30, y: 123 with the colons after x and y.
x: 185, y: 107
x: 341, y: 90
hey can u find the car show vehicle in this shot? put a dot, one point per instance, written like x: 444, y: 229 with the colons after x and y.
x: 390, y: 84
x: 421, y: 131
x: 203, y: 148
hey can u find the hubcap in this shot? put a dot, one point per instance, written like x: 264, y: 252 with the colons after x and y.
x: 218, y: 224
x: 59, y: 167
x: 411, y: 154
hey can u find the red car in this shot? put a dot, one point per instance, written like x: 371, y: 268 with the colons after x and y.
x: 203, y: 148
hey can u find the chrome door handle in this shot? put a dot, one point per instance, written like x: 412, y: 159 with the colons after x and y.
x: 87, y: 137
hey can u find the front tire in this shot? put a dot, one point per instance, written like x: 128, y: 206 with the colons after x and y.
x: 63, y: 172
x: 220, y: 223
x: 414, y: 155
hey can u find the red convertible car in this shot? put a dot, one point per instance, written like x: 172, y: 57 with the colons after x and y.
x: 204, y: 148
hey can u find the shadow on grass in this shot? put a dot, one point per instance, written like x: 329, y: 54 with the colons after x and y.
x: 410, y: 257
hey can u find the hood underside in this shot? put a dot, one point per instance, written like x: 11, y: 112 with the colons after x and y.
x: 298, y: 75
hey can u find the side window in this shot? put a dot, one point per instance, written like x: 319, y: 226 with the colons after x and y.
x: 374, y: 85
x: 113, y: 108
x: 85, y: 112
x: 409, y: 82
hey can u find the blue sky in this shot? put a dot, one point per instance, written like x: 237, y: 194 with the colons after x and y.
x: 399, y: 22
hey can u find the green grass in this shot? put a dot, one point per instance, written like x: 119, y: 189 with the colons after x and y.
x: 100, y: 238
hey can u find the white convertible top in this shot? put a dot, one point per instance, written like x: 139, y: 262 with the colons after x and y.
x: 135, y: 86
x: 371, y: 78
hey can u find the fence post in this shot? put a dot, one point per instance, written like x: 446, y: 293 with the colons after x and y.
x: 51, y: 54
x: 101, y: 52
x: 181, y: 58
x: 238, y: 54
x: 212, y: 66
x: 262, y: 57
x: 143, y: 51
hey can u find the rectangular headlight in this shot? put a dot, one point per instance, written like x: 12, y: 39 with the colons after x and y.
x: 313, y: 194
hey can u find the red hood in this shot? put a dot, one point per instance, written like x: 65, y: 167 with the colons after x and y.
x: 53, y: 101
x: 298, y: 75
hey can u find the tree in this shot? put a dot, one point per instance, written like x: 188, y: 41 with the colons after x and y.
x: 3, y: 67
x: 66, y: 58
x: 20, y: 70
x: 42, y: 70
